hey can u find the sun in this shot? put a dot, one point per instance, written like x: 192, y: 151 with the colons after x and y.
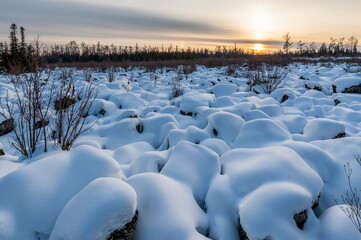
x: 258, y: 47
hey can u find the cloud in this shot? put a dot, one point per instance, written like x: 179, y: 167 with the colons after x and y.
x: 81, y: 19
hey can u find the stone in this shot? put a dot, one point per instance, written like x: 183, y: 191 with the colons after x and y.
x: 63, y: 103
x: 126, y: 232
x: 300, y: 219
x: 6, y: 126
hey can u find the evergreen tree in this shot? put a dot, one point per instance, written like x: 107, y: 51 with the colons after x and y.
x: 13, y: 41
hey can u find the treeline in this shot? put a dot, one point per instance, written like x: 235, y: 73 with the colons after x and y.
x: 21, y: 56
x: 73, y: 52
x: 338, y: 47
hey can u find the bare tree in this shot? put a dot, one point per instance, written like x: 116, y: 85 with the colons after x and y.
x: 353, y: 41
x: 287, y: 45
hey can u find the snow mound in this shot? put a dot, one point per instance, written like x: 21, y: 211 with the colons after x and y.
x: 167, y: 209
x: 279, y: 200
x: 103, y: 206
x: 127, y: 100
x: 193, y: 165
x: 102, y: 107
x: 344, y: 83
x: 225, y: 126
x: 224, y: 89
x: 321, y: 129
x: 190, y: 134
x: 34, y: 195
x: 289, y: 186
x: 190, y: 101
x: 261, y: 133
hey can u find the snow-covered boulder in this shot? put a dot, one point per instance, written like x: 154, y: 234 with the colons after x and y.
x: 101, y: 107
x: 223, y: 89
x: 312, y: 85
x: 167, y: 209
x: 127, y: 100
x: 102, y: 209
x: 193, y: 165
x: 261, y: 133
x: 225, y: 126
x: 6, y: 126
x: 32, y: 197
x: 321, y: 129
x: 190, y: 134
x: 190, y: 101
x: 347, y: 85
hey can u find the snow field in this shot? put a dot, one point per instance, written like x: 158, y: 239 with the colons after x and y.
x: 205, y: 165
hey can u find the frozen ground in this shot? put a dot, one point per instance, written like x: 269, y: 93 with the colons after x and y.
x: 215, y: 163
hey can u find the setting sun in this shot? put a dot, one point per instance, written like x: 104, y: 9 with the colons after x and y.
x: 258, y: 47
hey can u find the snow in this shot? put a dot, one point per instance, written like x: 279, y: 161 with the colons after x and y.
x: 321, y: 129
x: 198, y: 166
x: 103, y: 206
x: 34, y: 195
x: 342, y: 83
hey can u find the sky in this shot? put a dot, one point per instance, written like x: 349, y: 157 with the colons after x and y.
x: 185, y: 23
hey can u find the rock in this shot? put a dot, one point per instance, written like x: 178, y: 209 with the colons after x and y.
x: 347, y: 85
x: 6, y: 126
x: 316, y: 203
x: 64, y: 103
x: 186, y: 113
x: 353, y: 89
x: 139, y: 127
x: 334, y: 90
x: 300, y: 219
x: 284, y: 98
x: 340, y: 135
x: 313, y: 86
x: 337, y: 102
x: 41, y: 123
x: 2, y: 152
x: 243, y: 233
x: 127, y: 232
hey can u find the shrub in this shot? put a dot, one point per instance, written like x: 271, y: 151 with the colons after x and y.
x: 351, y: 198
x: 177, y: 89
x: 267, y: 79
x: 70, y: 120
x: 87, y: 72
x: 111, y: 74
x: 30, y: 109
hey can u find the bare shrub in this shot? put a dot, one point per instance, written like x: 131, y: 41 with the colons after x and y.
x: 67, y: 73
x: 351, y: 198
x: 111, y: 74
x: 177, y: 89
x: 188, y: 69
x: 153, y: 78
x: 267, y: 78
x: 231, y: 69
x: 70, y: 121
x: 87, y: 73
x: 30, y: 110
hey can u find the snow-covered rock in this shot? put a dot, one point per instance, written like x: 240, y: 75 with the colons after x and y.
x: 104, y: 206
